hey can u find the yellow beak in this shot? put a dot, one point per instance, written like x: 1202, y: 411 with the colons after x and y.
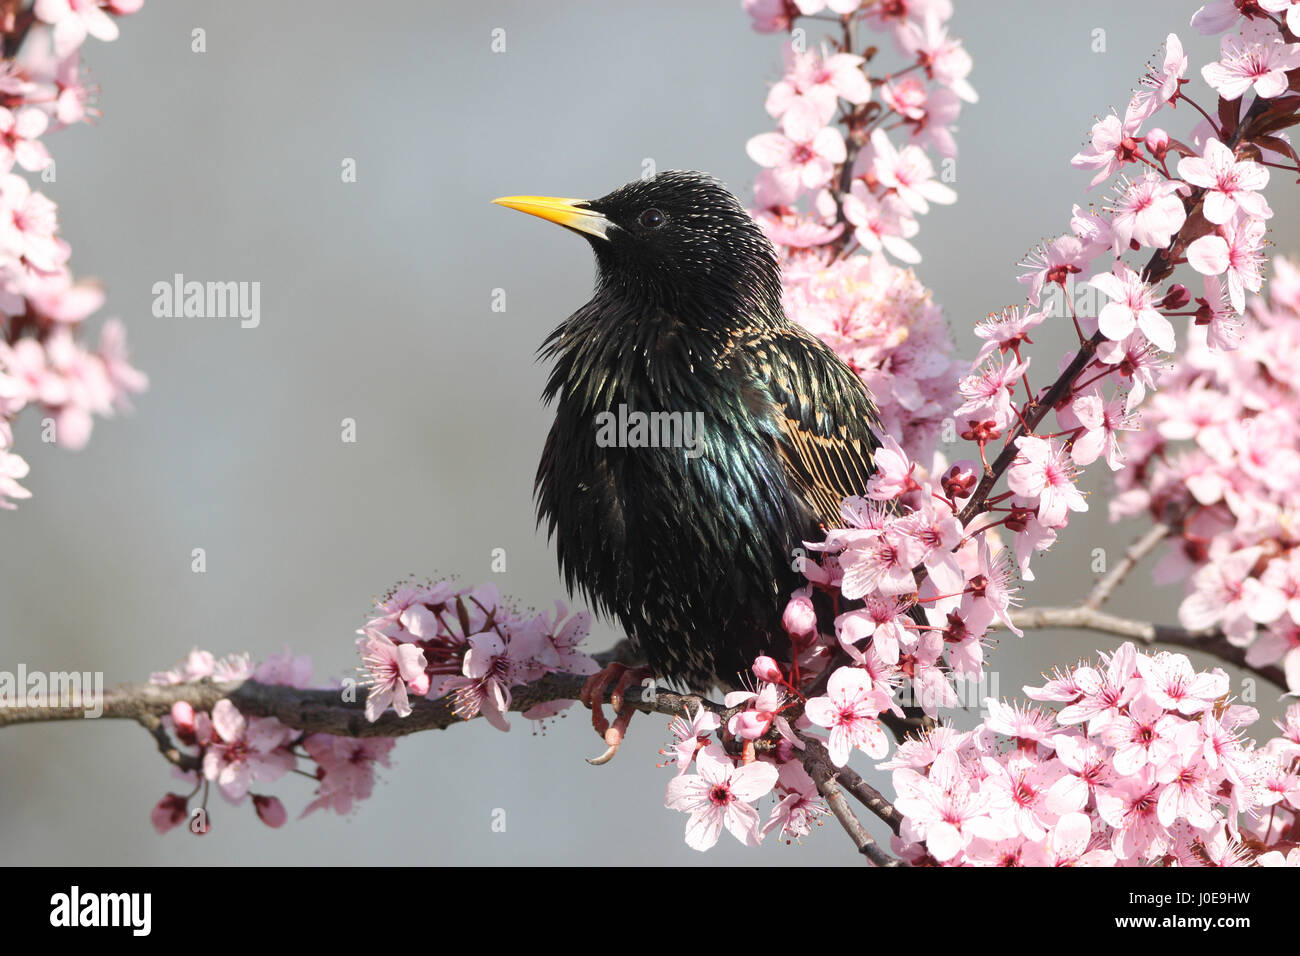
x: 569, y: 213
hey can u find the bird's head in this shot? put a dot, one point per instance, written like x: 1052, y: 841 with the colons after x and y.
x: 679, y: 241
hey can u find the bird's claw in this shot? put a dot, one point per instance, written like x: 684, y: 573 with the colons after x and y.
x: 593, y: 696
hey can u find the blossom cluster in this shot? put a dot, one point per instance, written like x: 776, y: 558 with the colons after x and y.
x: 436, y: 639
x: 837, y: 195
x: 919, y: 573
x: 44, y: 362
x: 1217, y: 457
x: 234, y: 751
x: 723, y: 790
x: 1198, y: 198
x: 1143, y: 761
x: 433, y: 640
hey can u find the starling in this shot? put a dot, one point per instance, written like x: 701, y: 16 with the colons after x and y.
x: 688, y: 533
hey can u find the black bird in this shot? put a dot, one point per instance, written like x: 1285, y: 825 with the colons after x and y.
x: 692, y: 548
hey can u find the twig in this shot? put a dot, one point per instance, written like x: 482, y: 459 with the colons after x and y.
x: 1138, y: 550
x: 1159, y: 266
x: 1210, y: 641
x: 818, y: 764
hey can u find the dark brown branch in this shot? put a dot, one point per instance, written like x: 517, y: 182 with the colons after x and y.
x: 326, y: 711
x: 818, y: 764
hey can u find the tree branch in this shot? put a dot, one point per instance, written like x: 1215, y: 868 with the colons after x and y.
x: 1138, y: 550
x: 1158, y: 267
x: 326, y: 710
x: 1210, y: 641
x: 818, y: 764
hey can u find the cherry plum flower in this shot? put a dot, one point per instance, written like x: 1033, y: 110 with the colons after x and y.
x: 721, y: 795
x: 851, y: 709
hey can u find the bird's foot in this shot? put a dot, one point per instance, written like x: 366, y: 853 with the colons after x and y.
x: 593, y: 696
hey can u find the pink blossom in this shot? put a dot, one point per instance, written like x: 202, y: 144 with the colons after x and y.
x: 1114, y: 145
x: 1225, y: 594
x: 1236, y: 251
x: 196, y: 666
x: 1148, y: 213
x: 391, y: 669
x: 909, y: 173
x: 247, y: 750
x: 1102, y: 421
x: 800, y: 617
x: 988, y: 392
x: 19, y: 142
x: 851, y: 708
x: 803, y: 155
x: 881, y: 223
x: 721, y: 794
x: 1006, y: 331
x: 880, y: 562
x: 1130, y: 808
x: 1217, y: 16
x: 893, y: 474
x: 28, y: 226
x: 769, y: 16
x: 943, y: 58
x: 1144, y: 735
x: 12, y: 470
x: 1132, y: 304
x: 1292, y: 8
x: 881, y: 619
x: 1055, y: 262
x: 1103, y: 692
x: 1257, y: 58
x: 1164, y: 86
x: 270, y: 810
x: 73, y: 20
x: 1027, y: 726
x: 945, y: 811
x: 761, y: 711
x: 1223, y: 327
x: 1021, y: 789
x: 1172, y: 683
x: 1043, y: 472
x: 1229, y: 185
x: 799, y: 808
x: 818, y: 82
x: 692, y: 733
x: 347, y: 769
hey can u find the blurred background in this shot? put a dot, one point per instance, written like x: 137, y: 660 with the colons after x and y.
x: 376, y: 306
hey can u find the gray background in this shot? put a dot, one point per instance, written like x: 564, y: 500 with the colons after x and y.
x: 375, y: 305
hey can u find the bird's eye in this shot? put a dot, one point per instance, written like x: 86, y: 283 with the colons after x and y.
x: 652, y: 219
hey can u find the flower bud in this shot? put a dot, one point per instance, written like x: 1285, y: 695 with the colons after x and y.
x: 1158, y: 143
x: 170, y: 811
x: 960, y: 480
x: 1176, y: 297
x: 183, y: 719
x: 766, y: 669
x: 269, y: 810
x: 800, y: 617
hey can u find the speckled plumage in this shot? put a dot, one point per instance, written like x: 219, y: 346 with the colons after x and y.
x: 694, y: 557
